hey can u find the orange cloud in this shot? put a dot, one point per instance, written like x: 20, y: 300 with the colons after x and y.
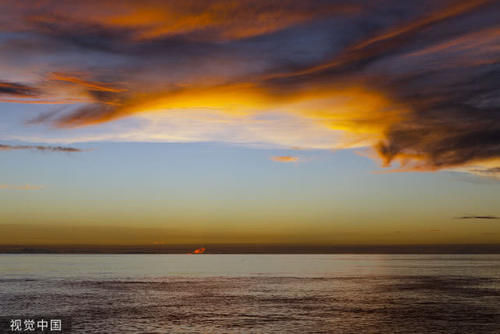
x: 285, y: 158
x: 222, y: 19
x: 151, y: 19
x: 420, y: 89
x: 360, y: 113
x: 84, y: 83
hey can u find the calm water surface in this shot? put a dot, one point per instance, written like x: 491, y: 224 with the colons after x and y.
x: 257, y: 293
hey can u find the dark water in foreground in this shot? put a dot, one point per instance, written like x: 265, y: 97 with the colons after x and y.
x: 257, y: 293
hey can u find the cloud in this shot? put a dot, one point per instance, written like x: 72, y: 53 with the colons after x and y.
x: 418, y: 83
x: 40, y: 148
x: 16, y: 89
x: 215, y: 19
x: 479, y: 217
x: 21, y: 187
x: 485, y: 171
x: 285, y: 158
x: 91, y: 86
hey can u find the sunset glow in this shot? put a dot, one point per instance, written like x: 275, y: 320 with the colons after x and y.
x: 249, y: 122
x: 199, y: 251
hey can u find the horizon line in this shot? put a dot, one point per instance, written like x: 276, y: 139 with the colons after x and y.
x: 492, y: 248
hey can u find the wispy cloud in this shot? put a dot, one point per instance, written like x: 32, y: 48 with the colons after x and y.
x: 478, y: 217
x: 40, y: 148
x: 16, y: 90
x: 487, y: 172
x: 285, y: 158
x: 20, y: 187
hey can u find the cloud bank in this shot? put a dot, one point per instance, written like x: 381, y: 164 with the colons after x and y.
x: 416, y: 82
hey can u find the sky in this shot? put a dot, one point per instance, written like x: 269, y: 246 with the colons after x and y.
x: 275, y: 122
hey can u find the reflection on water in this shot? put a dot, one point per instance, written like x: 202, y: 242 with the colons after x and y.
x: 257, y: 293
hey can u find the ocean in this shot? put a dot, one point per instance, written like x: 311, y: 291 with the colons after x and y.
x: 213, y: 293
